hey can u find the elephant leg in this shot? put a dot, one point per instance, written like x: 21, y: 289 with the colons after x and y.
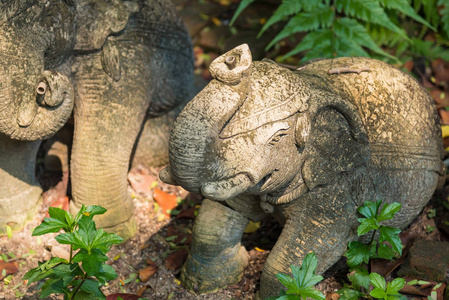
x: 113, y: 95
x: 325, y: 229
x: 20, y: 193
x: 216, y: 257
x: 152, y: 146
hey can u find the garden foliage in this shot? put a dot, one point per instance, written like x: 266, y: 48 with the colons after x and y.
x: 82, y: 275
x: 335, y: 28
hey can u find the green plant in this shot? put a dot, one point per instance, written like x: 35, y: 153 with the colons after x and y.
x: 82, y: 275
x: 300, y: 286
x: 388, y: 246
x: 360, y: 27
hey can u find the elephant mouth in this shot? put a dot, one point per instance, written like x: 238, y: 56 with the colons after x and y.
x: 286, y: 196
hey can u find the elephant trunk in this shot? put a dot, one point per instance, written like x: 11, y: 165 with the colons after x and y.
x: 194, y: 133
x: 20, y: 193
x: 109, y: 112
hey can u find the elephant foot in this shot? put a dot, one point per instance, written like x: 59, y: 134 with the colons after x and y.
x: 200, y: 276
x: 15, y: 211
x: 125, y: 230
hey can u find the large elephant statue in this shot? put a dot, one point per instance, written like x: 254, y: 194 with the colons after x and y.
x: 308, y: 146
x: 120, y: 63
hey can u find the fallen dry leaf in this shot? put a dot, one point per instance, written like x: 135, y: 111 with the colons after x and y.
x: 141, y: 291
x: 123, y: 296
x: 9, y: 267
x: 147, y: 272
x: 188, y: 213
x: 176, y: 259
x: 166, y: 201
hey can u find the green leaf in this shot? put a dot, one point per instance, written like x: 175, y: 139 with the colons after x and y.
x: 92, y: 261
x: 370, y: 209
x: 394, y: 286
x: 93, y: 287
x: 385, y: 252
x: 243, y: 4
x: 404, y: 7
x: 67, y: 272
x: 444, y: 12
x: 106, y: 273
x: 52, y: 286
x: 318, y: 40
x: 61, y: 215
x: 306, y: 277
x: 103, y: 240
x: 48, y: 226
x: 312, y: 293
x: 366, y: 225
x: 322, y: 16
x: 391, y: 235
x: 388, y: 211
x: 369, y: 11
x: 349, y: 294
x: 287, y: 7
x: 74, y: 239
x: 44, y: 269
x: 378, y: 293
x: 80, y: 214
x: 378, y: 281
x: 93, y: 210
x: 359, y: 277
x: 357, y: 253
x: 286, y: 280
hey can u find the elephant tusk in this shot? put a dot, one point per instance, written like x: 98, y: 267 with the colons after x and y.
x: 41, y: 88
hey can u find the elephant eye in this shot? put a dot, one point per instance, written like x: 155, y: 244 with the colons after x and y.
x: 277, y: 137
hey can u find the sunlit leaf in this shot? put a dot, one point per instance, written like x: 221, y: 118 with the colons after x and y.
x: 388, y: 211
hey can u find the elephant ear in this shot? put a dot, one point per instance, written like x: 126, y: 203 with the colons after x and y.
x: 337, y: 142
x: 97, y: 19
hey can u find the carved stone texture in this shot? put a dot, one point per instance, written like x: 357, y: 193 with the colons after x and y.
x: 308, y: 146
x: 120, y: 62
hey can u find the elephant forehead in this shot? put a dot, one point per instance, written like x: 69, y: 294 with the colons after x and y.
x: 275, y: 94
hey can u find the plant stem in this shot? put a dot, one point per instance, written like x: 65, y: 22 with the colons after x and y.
x: 78, y: 287
x: 71, y: 254
x: 372, y: 237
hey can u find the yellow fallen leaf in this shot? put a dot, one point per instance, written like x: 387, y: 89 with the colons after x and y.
x: 258, y: 249
x: 177, y: 281
x: 153, y: 185
x: 252, y: 226
x: 161, y: 218
x: 445, y: 130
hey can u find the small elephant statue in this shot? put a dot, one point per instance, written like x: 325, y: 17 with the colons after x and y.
x: 308, y: 146
x: 117, y: 64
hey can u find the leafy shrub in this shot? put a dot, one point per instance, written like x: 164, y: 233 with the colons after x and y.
x: 82, y: 275
x: 300, y: 286
x: 360, y: 27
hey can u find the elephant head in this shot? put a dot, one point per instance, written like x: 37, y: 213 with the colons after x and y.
x: 36, y: 36
x: 246, y: 133
x: 35, y: 100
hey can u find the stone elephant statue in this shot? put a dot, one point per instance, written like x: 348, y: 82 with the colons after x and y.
x: 118, y: 63
x: 308, y: 146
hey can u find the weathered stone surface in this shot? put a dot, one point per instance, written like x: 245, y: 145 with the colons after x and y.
x: 308, y: 146
x: 428, y: 260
